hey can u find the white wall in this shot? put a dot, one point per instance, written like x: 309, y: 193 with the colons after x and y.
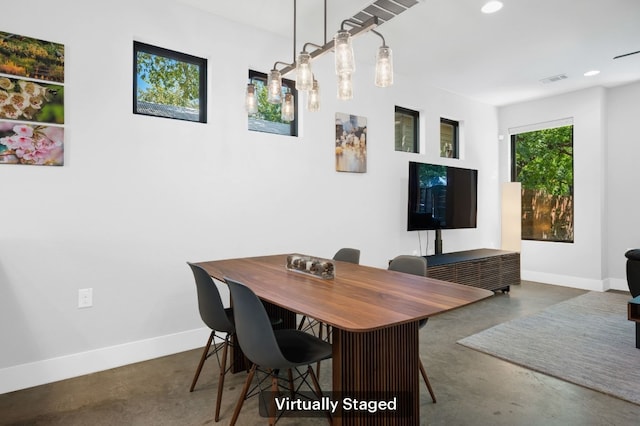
x: 622, y: 201
x: 605, y: 141
x: 138, y: 196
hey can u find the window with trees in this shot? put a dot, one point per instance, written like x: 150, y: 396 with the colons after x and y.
x: 268, y: 118
x: 406, y: 130
x: 449, y: 131
x: 169, y: 84
x: 542, y: 161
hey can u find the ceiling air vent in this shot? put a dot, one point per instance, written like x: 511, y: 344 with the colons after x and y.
x: 554, y: 78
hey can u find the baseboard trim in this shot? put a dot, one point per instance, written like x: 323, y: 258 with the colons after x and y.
x: 65, y: 367
x: 564, y: 280
x: 617, y: 284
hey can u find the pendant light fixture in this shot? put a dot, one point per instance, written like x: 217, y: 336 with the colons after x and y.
x: 274, y: 87
x: 344, y: 60
x: 342, y: 44
x: 287, y: 109
x: 304, y: 76
x: 251, y: 102
x: 313, y: 98
x: 384, y: 64
x: 345, y: 86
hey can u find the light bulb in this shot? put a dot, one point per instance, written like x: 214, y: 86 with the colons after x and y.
x: 345, y: 86
x: 304, y: 76
x: 250, y: 102
x: 274, y: 87
x: 384, y: 67
x: 344, y: 59
x: 313, y: 99
x: 287, y: 112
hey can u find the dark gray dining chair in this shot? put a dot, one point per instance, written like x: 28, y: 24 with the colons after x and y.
x: 220, y: 320
x: 415, y: 265
x: 272, y: 351
x: 346, y: 254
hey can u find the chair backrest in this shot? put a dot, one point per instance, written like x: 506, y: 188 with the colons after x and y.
x: 210, y: 304
x: 415, y: 265
x: 253, y: 328
x: 350, y: 255
x: 633, y: 271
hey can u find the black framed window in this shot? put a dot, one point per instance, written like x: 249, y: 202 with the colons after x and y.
x: 449, y: 138
x: 407, y: 136
x: 169, y: 84
x: 268, y: 118
x: 542, y: 161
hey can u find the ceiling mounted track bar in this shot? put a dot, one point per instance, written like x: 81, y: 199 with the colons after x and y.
x: 384, y: 9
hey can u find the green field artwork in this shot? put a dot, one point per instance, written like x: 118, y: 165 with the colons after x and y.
x: 32, y: 58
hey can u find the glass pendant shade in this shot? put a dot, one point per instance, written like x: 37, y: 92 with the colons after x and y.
x: 345, y: 86
x: 345, y: 62
x: 274, y: 87
x: 250, y: 101
x: 287, y: 110
x: 384, y: 67
x: 313, y: 99
x: 304, y: 76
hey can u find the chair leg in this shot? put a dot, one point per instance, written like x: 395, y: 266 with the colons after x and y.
x: 291, y: 386
x: 203, y: 358
x: 318, y: 369
x: 317, y: 390
x: 327, y: 339
x: 320, y: 327
x: 223, y: 371
x: 426, y: 381
x: 274, y: 392
x: 243, y: 395
x: 304, y: 318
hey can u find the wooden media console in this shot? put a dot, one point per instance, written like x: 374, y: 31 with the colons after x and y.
x: 490, y: 269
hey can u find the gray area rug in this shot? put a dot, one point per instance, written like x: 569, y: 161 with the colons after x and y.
x: 586, y: 340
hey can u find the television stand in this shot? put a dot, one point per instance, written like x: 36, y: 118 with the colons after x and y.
x: 491, y: 269
x: 438, y: 242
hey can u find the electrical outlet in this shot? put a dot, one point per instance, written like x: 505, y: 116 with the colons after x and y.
x: 85, y: 298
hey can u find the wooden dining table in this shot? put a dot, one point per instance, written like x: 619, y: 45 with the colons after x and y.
x: 374, y: 313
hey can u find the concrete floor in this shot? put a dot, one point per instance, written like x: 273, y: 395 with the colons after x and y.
x: 472, y: 388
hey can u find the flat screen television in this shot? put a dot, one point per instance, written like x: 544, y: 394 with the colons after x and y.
x: 441, y: 197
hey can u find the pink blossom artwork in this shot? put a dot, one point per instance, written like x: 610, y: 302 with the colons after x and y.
x: 28, y: 143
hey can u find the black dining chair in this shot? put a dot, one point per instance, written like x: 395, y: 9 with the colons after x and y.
x: 415, y: 265
x: 220, y: 320
x: 272, y: 351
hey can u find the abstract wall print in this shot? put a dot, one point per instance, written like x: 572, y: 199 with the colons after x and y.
x: 31, y: 101
x: 169, y: 84
x: 351, y: 143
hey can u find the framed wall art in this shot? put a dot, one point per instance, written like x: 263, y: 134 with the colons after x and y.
x: 31, y: 101
x: 169, y: 84
x: 351, y: 143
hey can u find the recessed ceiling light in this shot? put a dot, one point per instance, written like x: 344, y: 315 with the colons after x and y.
x: 591, y: 73
x: 492, y: 6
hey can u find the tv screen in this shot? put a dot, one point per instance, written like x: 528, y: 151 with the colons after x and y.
x: 441, y: 197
